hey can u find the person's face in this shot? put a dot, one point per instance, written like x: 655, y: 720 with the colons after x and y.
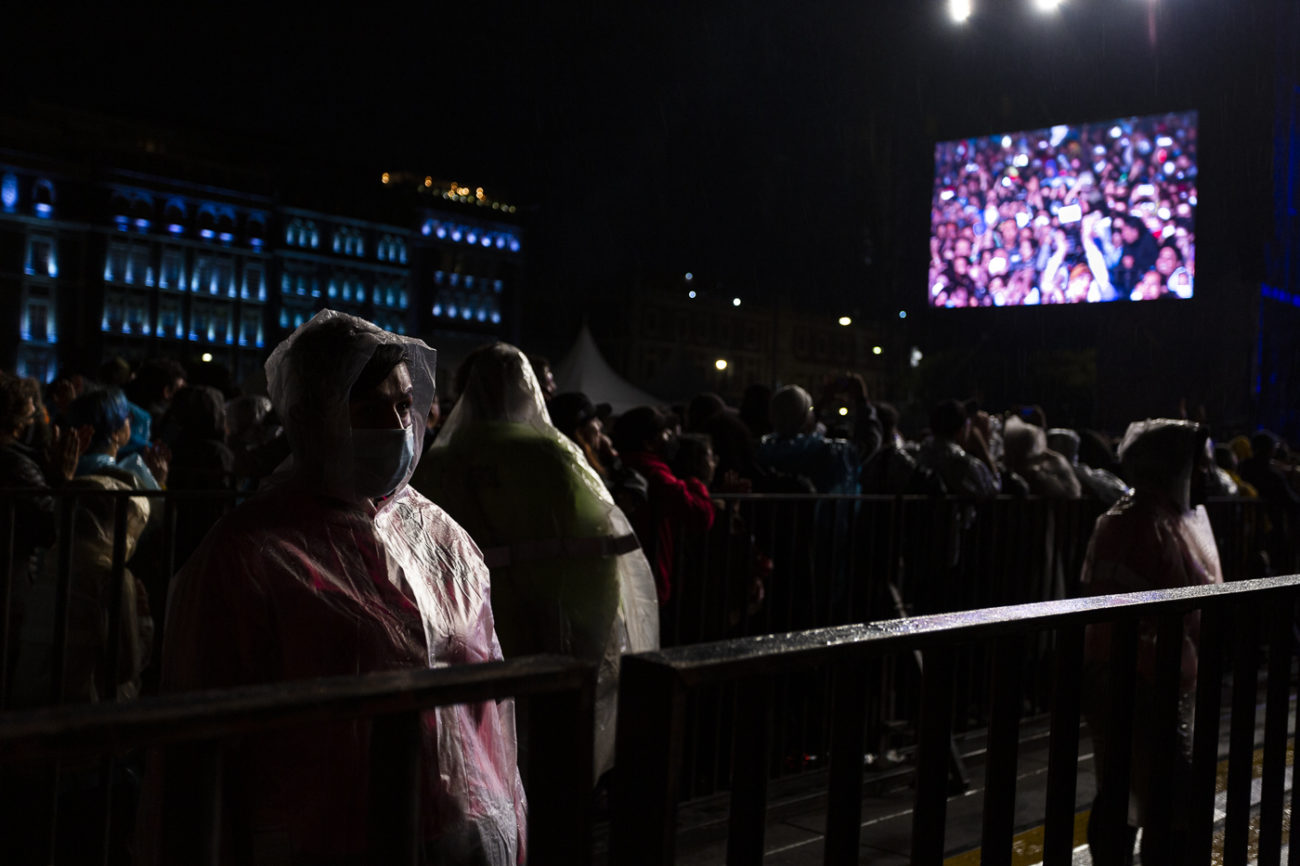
x: 547, y: 380
x: 1150, y: 286
x: 170, y: 390
x: 1129, y: 232
x: 590, y: 433
x: 1166, y: 261
x: 1078, y: 288
x: 387, y: 406
x: 26, y: 418
x: 961, y: 265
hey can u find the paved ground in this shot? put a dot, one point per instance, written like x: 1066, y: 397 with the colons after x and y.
x: 796, y: 817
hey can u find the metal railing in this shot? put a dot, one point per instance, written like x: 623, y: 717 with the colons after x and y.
x: 67, y: 562
x: 193, y: 729
x: 655, y: 687
x: 836, y: 560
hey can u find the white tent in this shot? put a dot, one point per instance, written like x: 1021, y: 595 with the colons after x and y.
x: 585, y: 369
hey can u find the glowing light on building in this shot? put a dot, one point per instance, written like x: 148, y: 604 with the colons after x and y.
x: 206, y: 357
x: 44, y: 210
x: 9, y: 192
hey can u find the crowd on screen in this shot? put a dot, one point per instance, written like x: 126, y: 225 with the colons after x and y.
x: 1068, y: 215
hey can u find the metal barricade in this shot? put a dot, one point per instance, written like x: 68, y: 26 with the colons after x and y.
x: 655, y: 689
x: 193, y: 729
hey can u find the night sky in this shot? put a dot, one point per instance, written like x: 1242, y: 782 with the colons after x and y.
x: 780, y: 150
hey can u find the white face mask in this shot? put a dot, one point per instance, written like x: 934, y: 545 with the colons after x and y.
x: 381, y: 459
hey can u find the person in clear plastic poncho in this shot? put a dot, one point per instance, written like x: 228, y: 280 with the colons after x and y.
x: 339, y: 567
x: 567, y: 573
x: 1153, y: 538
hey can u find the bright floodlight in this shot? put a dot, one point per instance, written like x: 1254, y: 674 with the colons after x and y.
x: 1047, y: 5
x: 846, y: 321
x: 959, y: 10
x: 735, y: 302
x: 876, y: 350
x: 206, y: 357
x: 721, y: 364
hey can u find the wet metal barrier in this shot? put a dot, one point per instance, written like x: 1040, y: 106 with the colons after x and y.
x: 654, y: 689
x: 193, y: 729
x: 838, y: 560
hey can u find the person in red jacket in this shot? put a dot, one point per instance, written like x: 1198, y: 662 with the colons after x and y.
x: 645, y: 441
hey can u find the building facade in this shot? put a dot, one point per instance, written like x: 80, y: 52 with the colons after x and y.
x: 97, y: 260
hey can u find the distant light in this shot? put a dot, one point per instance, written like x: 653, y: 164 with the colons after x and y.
x: 177, y: 229
x: 1116, y: 132
x: 206, y: 357
x: 1006, y: 141
x: 428, y: 181
x: 142, y: 224
x: 425, y: 229
x: 9, y: 192
x: 437, y: 309
x: 960, y: 10
x: 1021, y: 160
x: 689, y: 276
x: 225, y: 237
x: 1164, y: 141
x: 383, y: 178
x: 735, y: 302
x: 206, y: 234
x: 691, y: 294
x: 946, y: 195
x: 721, y: 364
x: 43, y: 209
x: 255, y: 243
x: 1047, y: 5
x: 478, y: 193
x: 902, y: 314
x: 916, y: 357
x: 844, y: 410
x: 876, y: 350
x: 845, y: 321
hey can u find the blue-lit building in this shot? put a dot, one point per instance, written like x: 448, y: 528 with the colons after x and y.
x: 99, y: 260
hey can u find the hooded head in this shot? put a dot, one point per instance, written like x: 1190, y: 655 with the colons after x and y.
x: 1064, y: 442
x: 497, y: 382
x: 791, y: 410
x: 351, y: 425
x: 1160, y: 454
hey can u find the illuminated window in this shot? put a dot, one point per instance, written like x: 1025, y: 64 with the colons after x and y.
x: 43, y: 198
x: 139, y: 268
x: 115, y: 260
x: 41, y: 261
x: 171, y: 275
x: 9, y: 193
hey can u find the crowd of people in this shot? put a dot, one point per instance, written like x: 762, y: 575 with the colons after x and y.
x: 379, y: 529
x: 1068, y: 215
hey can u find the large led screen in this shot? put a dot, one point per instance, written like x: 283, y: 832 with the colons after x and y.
x: 1092, y: 213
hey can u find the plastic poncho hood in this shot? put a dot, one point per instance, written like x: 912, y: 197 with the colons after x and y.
x: 306, y: 580
x: 310, y: 378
